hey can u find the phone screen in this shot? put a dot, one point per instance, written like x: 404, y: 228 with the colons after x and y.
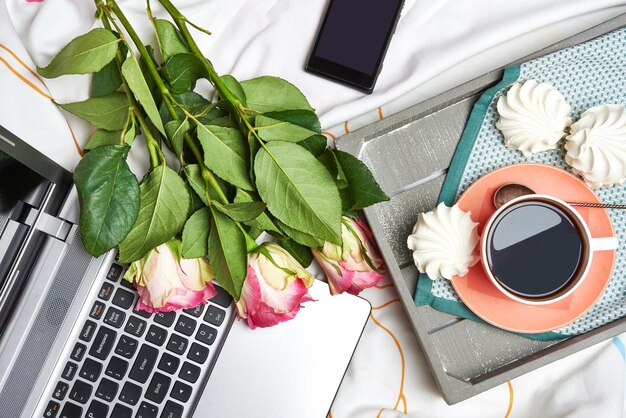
x: 354, y: 36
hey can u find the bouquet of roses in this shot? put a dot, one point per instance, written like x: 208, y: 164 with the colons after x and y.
x: 252, y: 161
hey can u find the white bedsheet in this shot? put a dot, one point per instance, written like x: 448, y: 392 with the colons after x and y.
x: 438, y: 44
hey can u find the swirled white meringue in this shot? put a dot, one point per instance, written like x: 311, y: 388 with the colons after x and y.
x: 533, y: 117
x: 596, y: 145
x: 444, y: 242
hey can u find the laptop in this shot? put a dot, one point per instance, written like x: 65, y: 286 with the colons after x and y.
x: 72, y: 345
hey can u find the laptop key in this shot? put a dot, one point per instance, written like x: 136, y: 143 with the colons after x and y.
x: 177, y: 344
x: 69, y: 371
x: 81, y: 392
x: 165, y: 318
x: 97, y: 310
x: 157, y: 390
x: 123, y: 298
x: 168, y: 363
x: 116, y: 368
x: 107, y: 389
x: 106, y: 291
x: 52, y: 410
x: 198, y: 353
x: 141, y: 313
x: 78, y: 352
x: 144, y: 363
x: 189, y: 372
x: 91, y: 370
x: 197, y: 311
x: 156, y: 335
x: 86, y: 334
x: 215, y: 315
x: 185, y: 325
x: 114, y: 317
x: 71, y: 410
x: 135, y: 326
x: 222, y: 297
x: 97, y: 410
x: 115, y: 272
x: 127, y: 284
x: 130, y: 393
x: 172, y: 410
x: 60, y: 391
x: 147, y: 410
x: 206, y: 334
x: 103, y: 343
x: 121, y: 411
x: 181, y: 392
x: 126, y: 346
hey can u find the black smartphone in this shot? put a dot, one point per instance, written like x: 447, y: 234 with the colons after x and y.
x: 353, y: 40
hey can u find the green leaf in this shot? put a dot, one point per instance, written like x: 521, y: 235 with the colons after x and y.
x: 227, y: 253
x: 196, y: 234
x: 301, y: 237
x: 235, y: 88
x: 198, y: 184
x: 298, y: 190
x: 316, y: 144
x: 272, y: 94
x: 270, y: 129
x: 263, y: 221
x: 301, y: 253
x: 138, y: 85
x: 195, y: 104
x: 84, y: 54
x: 331, y: 163
x: 182, y: 71
x: 106, y: 81
x: 164, y: 204
x: 102, y: 137
x: 224, y: 122
x: 241, y: 212
x: 131, y: 133
x: 176, y: 130
x: 170, y: 40
x: 109, y: 198
x: 108, y: 112
x: 303, y: 118
x: 362, y: 190
x: 226, y: 154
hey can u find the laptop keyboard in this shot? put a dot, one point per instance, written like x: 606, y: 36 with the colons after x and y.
x: 125, y: 363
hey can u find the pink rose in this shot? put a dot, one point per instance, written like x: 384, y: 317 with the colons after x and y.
x: 275, y: 287
x: 354, y: 266
x: 166, y: 282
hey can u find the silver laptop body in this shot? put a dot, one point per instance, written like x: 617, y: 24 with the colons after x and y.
x: 71, y: 344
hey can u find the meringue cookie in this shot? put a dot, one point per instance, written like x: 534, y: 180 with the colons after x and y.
x: 444, y: 242
x: 533, y: 117
x: 596, y: 145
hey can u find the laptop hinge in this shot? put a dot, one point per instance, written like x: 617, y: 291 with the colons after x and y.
x: 50, y: 225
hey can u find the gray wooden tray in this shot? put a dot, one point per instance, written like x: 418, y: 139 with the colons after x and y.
x: 409, y: 154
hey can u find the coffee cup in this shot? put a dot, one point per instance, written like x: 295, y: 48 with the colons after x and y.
x: 537, y: 249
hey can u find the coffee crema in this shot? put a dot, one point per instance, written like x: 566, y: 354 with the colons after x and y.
x: 535, y: 250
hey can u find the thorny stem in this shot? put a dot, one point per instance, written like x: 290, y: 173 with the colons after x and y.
x: 167, y: 98
x: 156, y: 155
x: 165, y: 93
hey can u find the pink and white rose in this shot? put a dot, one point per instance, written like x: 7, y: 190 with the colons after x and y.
x: 275, y: 287
x: 354, y: 266
x: 166, y: 282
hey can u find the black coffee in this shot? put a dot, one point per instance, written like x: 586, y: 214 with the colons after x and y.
x: 534, y: 249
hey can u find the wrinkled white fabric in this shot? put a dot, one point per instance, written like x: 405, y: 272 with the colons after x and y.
x: 437, y: 45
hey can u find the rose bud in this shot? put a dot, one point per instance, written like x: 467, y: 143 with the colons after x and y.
x: 275, y: 287
x: 166, y: 282
x: 355, y: 265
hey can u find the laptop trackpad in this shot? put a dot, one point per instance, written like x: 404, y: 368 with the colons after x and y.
x: 290, y: 370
